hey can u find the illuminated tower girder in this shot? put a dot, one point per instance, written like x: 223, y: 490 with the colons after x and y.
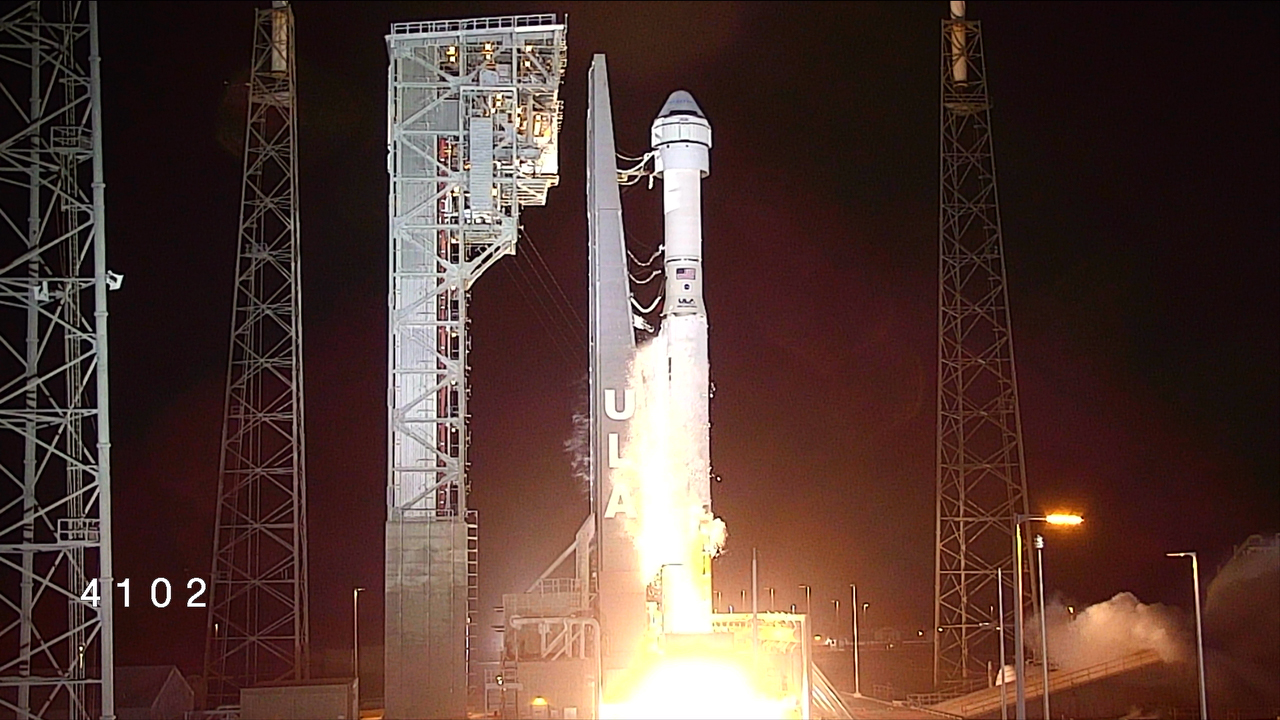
x: 474, y: 120
x: 981, y: 479
x: 257, y: 623
x: 56, y: 640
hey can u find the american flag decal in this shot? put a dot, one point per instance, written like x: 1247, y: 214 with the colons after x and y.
x: 686, y: 273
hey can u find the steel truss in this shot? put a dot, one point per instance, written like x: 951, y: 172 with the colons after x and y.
x: 474, y: 121
x: 258, y: 623
x: 56, y: 640
x: 980, y: 474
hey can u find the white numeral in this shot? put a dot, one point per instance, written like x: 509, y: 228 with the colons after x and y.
x: 168, y: 592
x: 90, y: 594
x: 124, y: 584
x: 191, y: 602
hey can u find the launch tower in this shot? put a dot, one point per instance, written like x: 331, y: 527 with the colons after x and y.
x: 474, y: 120
x: 982, y: 484
x: 257, y: 623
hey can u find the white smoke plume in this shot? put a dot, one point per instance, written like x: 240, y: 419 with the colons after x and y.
x: 661, y: 469
x: 1109, y: 631
x: 1242, y: 628
x: 578, y: 446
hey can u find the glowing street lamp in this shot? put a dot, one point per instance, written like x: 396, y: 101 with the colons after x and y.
x: 1019, y: 670
x: 1195, y: 577
x: 1058, y: 519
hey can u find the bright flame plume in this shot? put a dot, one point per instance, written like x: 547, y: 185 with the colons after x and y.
x: 703, y: 688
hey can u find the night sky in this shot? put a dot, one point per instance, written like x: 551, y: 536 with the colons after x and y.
x: 1137, y: 154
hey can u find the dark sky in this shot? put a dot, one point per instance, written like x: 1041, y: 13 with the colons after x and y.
x: 1137, y: 148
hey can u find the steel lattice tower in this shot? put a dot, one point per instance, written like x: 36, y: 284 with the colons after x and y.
x: 56, y: 638
x: 257, y: 627
x: 981, y: 481
x: 473, y: 128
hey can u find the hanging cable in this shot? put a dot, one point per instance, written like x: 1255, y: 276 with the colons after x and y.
x: 566, y: 309
x: 648, y: 262
x: 632, y: 175
x: 653, y: 274
x: 563, y: 343
x: 646, y: 310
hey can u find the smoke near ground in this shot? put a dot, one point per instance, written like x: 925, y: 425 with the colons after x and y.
x: 1111, y: 630
x: 1242, y: 629
x: 1241, y: 617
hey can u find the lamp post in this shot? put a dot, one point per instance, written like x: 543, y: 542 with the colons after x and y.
x: 1004, y: 687
x: 808, y: 600
x: 1044, y: 631
x: 853, y: 606
x: 355, y: 634
x: 717, y: 601
x: 1019, y: 669
x: 770, y: 598
x: 1195, y: 579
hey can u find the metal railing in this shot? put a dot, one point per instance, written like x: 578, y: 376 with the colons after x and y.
x: 988, y: 699
x: 490, y: 23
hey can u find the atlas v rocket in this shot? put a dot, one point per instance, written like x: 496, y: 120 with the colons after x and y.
x: 681, y: 140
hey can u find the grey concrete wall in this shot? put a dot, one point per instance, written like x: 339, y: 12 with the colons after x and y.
x: 426, y: 607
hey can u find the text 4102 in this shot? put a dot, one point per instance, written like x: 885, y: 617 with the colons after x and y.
x: 161, y: 592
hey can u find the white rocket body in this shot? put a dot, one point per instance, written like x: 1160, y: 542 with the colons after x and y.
x: 682, y: 137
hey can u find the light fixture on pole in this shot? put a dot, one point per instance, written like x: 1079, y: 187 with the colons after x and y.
x: 1019, y: 662
x: 1195, y: 579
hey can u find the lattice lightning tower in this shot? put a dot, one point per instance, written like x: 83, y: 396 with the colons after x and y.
x: 981, y: 481
x: 257, y: 628
x: 56, y: 636
x: 474, y: 120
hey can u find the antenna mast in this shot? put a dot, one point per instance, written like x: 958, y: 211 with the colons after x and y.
x: 257, y: 628
x: 981, y: 479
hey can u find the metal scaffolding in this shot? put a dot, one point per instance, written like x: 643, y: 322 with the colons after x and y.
x: 258, y: 625
x: 981, y: 479
x: 56, y: 637
x: 473, y: 123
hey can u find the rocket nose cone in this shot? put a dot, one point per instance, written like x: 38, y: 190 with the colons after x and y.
x: 680, y: 103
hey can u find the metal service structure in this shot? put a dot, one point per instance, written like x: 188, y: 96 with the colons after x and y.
x: 257, y: 623
x: 473, y: 129
x: 56, y: 640
x: 981, y: 479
